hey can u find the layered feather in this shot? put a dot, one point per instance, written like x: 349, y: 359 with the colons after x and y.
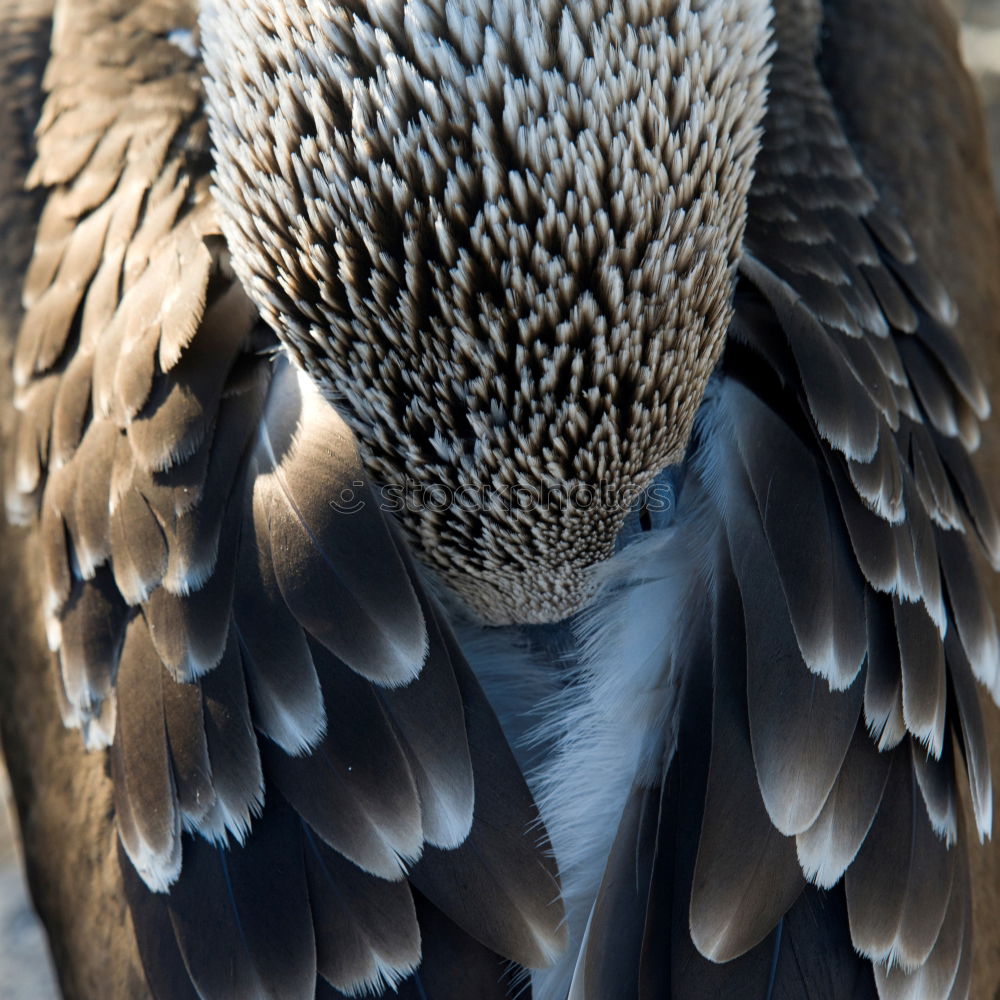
x: 829, y: 475
x: 274, y: 679
x: 291, y: 726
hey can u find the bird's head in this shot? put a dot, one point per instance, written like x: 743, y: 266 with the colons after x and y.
x: 501, y: 235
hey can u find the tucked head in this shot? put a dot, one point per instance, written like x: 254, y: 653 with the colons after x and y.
x: 501, y: 236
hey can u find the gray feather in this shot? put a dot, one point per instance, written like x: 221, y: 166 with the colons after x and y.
x: 284, y: 690
x: 609, y: 958
x: 366, y: 927
x: 973, y: 615
x: 92, y: 631
x: 237, y: 778
x: 822, y: 588
x: 91, y: 498
x: 883, y: 682
x: 921, y: 657
x: 355, y: 788
x: 879, y: 482
x: 945, y: 971
x: 933, y: 390
x: 788, y: 706
x: 501, y: 886
x: 180, y: 410
x: 829, y: 846
x: 844, y: 413
x: 145, y: 794
x: 892, y: 299
x: 975, y: 500
x: 242, y: 918
x: 138, y: 546
x: 973, y: 733
x: 743, y: 885
x: 899, y: 885
x: 937, y: 780
x: 946, y: 350
x: 931, y: 479
x: 188, y: 748
x: 429, y: 718
x: 336, y: 566
x: 882, y: 550
x: 190, y: 630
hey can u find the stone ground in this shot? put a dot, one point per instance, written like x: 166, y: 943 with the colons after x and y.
x: 25, y: 971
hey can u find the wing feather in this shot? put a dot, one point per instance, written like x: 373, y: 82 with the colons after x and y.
x: 175, y: 465
x: 936, y: 779
x: 281, y: 676
x: 72, y: 406
x: 972, y: 734
x: 940, y: 975
x: 821, y: 584
x: 501, y: 885
x: 190, y: 631
x: 922, y: 666
x: 883, y: 678
x: 188, y: 749
x: 899, y: 886
x: 233, y: 753
x: 831, y: 455
x: 610, y: 962
x: 367, y: 937
x: 92, y: 631
x: 741, y: 887
x: 340, y: 573
x: 429, y: 718
x: 252, y: 908
x: 166, y: 973
x: 145, y: 792
x: 356, y: 790
x: 267, y: 667
x: 831, y: 844
x: 972, y: 614
x: 976, y: 503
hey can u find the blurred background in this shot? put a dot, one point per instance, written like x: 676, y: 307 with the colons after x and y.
x: 981, y: 44
x: 25, y: 969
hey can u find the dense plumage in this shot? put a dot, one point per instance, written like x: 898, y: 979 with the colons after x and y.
x: 628, y: 246
x: 501, y: 236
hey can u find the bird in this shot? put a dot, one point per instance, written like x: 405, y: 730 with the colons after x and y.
x: 500, y: 481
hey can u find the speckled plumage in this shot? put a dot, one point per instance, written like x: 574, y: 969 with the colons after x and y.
x: 312, y: 793
x: 502, y: 236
